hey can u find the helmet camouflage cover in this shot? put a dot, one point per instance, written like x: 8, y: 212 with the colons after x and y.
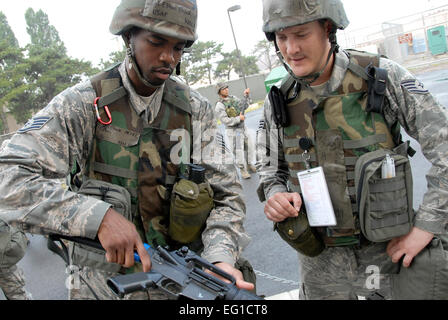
x: 172, y: 18
x: 287, y: 13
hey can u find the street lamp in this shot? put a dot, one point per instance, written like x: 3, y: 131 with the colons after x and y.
x: 231, y: 9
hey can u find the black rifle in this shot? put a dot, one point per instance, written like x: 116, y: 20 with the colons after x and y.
x: 179, y: 273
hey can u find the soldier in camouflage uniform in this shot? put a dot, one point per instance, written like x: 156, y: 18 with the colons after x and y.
x: 230, y: 110
x: 122, y: 141
x: 325, y: 109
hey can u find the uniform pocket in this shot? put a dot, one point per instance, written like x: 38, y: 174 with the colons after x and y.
x: 384, y: 205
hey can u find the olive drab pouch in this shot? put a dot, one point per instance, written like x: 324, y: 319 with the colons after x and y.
x: 231, y: 112
x: 191, y: 204
x: 385, y: 204
x: 120, y: 200
x: 248, y: 272
x: 427, y: 276
x: 13, y: 243
x: 330, y: 155
x: 300, y: 236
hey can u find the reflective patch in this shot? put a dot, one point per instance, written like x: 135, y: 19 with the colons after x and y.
x: 414, y: 86
x: 34, y: 124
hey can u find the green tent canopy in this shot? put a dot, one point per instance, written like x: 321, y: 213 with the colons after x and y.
x: 276, y: 76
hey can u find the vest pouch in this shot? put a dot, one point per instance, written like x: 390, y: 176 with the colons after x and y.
x: 231, y: 112
x: 13, y: 243
x: 300, y: 236
x: 385, y: 205
x: 191, y: 204
x: 330, y: 154
x: 427, y: 276
x: 120, y: 200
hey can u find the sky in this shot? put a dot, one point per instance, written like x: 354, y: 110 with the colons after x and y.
x: 83, y: 25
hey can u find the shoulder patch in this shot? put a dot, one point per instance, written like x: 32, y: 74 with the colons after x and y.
x: 35, y: 124
x: 414, y: 86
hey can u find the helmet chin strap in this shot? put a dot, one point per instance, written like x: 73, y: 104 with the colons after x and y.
x: 306, y: 81
x: 133, y: 65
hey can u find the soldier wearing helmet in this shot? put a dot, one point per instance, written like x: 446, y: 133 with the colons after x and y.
x: 230, y: 110
x: 122, y: 139
x: 339, y: 112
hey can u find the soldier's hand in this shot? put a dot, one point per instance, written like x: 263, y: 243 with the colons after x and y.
x: 408, y: 246
x: 120, y: 238
x: 242, y: 117
x: 247, y: 92
x: 282, y: 206
x: 237, y: 274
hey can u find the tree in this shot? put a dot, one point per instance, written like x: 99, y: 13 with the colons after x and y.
x: 227, y: 64
x: 265, y: 53
x: 42, y: 34
x: 45, y: 72
x: 198, y: 63
x: 249, y: 66
x: 114, y: 58
x: 11, y: 77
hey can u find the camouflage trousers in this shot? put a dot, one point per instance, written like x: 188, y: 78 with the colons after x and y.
x: 12, y: 282
x: 347, y: 273
x: 241, y: 146
x: 90, y: 284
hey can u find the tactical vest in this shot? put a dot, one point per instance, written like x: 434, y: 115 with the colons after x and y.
x: 232, y: 106
x: 136, y: 156
x: 341, y: 130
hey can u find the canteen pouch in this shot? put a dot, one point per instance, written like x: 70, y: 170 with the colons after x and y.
x: 297, y: 232
x: 120, y: 200
x: 13, y: 243
x: 427, y: 276
x: 191, y: 204
x: 385, y: 205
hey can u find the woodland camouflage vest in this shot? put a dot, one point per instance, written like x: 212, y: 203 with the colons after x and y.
x: 137, y: 156
x: 341, y: 131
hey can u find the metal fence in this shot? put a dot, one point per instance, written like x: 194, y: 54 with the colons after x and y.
x: 399, y: 39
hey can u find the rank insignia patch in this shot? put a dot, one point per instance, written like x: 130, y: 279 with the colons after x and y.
x: 414, y: 86
x: 34, y: 124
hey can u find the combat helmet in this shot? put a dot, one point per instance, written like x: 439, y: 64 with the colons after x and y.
x: 278, y: 15
x: 220, y: 86
x: 172, y: 18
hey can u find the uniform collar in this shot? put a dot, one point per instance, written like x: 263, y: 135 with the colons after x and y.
x: 340, y: 67
x: 146, y: 107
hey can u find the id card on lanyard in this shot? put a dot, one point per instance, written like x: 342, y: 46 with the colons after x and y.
x: 317, y: 198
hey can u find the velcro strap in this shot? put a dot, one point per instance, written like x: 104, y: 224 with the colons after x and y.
x: 365, y: 142
x: 391, y: 220
x: 112, y: 97
x: 396, y: 204
x: 114, y: 171
x: 387, y: 187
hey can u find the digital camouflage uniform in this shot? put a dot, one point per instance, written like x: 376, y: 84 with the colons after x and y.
x: 13, y: 245
x: 36, y: 161
x: 228, y: 111
x: 342, y: 272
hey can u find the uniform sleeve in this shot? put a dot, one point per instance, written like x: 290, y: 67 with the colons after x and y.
x: 271, y: 165
x: 224, y: 237
x: 35, y: 163
x: 424, y: 119
x: 225, y: 119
